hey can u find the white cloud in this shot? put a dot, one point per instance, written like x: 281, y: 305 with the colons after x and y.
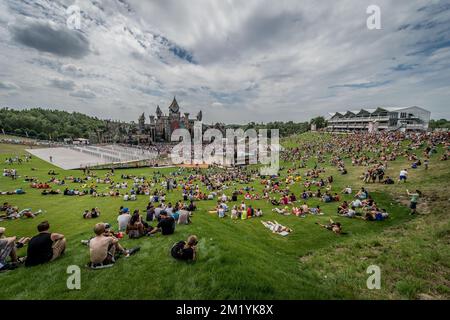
x: 239, y: 61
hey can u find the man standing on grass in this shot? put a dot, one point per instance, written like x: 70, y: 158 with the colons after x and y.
x: 414, y: 197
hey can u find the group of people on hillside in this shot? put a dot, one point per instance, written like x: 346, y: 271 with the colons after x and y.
x: 104, y: 246
x: 10, y: 212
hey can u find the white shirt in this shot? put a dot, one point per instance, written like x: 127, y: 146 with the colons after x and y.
x: 123, y: 220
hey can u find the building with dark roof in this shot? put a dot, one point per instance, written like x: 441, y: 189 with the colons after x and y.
x: 379, y: 119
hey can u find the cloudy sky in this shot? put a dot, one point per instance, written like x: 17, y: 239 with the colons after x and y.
x: 238, y: 61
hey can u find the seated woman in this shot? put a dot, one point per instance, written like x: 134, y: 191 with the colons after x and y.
x: 316, y: 210
x: 185, y: 250
x: 362, y: 194
x: 292, y: 197
x: 135, y: 228
x: 327, y: 198
x: 235, y: 213
x: 343, y: 207
x: 184, y: 217
x: 8, y: 248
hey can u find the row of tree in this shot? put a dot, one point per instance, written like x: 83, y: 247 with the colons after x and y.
x: 439, y: 124
x: 285, y: 128
x: 49, y: 124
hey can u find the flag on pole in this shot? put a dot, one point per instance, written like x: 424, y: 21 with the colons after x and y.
x: 26, y: 132
x: 3, y: 130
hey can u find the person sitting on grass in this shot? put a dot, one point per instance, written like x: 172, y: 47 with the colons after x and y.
x: 166, y: 225
x: 332, y: 226
x: 103, y: 247
x: 316, y: 210
x: 123, y: 219
x: 221, y: 211
x: 8, y: 247
x: 388, y: 180
x: 347, y: 190
x: 45, y: 246
x: 94, y: 213
x: 185, y: 250
x: 250, y: 212
x: 184, y: 217
x: 234, y: 213
x: 135, y: 228
x: 362, y: 194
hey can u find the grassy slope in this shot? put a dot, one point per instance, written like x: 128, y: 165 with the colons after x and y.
x: 243, y: 260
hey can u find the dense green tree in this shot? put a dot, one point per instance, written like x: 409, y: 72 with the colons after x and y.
x: 43, y: 123
x: 438, y: 124
x: 320, y: 122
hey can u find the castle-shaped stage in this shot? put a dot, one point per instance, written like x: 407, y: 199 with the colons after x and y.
x: 161, y: 126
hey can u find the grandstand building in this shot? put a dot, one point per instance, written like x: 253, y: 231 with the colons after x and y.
x: 380, y: 119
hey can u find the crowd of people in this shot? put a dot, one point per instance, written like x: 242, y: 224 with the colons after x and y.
x: 315, y: 189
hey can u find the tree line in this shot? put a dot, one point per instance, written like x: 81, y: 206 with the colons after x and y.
x: 46, y: 124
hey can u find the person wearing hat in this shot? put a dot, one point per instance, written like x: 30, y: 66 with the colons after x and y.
x: 8, y: 248
x: 166, y: 225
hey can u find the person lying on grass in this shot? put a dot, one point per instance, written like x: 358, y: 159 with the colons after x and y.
x: 166, y: 225
x: 332, y: 226
x: 8, y: 248
x: 275, y: 227
x: 45, y: 246
x: 375, y: 215
x: 284, y: 211
x: 46, y: 192
x: 28, y: 213
x: 13, y: 213
x: 348, y: 212
x: 10, y: 193
x: 103, y: 247
x: 185, y: 250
